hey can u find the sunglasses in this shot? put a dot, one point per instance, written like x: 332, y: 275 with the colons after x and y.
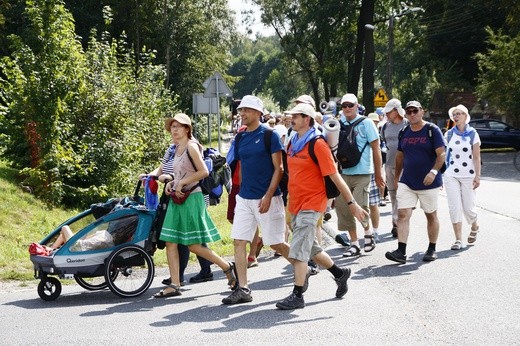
x: 347, y: 105
x: 412, y: 111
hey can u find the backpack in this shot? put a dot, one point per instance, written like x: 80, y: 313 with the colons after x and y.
x: 330, y: 188
x: 348, y: 153
x: 268, y: 134
x: 430, y: 136
x: 219, y: 174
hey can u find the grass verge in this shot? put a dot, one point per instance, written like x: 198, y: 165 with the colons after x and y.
x: 25, y: 219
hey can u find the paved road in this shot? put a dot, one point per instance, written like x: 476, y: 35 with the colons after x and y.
x: 465, y: 297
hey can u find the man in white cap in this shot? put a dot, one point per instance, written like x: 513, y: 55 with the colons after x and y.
x: 420, y: 156
x: 358, y: 177
x: 307, y: 203
x: 389, y: 133
x: 259, y: 201
x: 305, y: 99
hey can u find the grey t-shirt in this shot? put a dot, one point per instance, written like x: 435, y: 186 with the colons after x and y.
x: 391, y: 133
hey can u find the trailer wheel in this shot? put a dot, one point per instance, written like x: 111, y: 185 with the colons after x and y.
x: 49, y: 288
x: 93, y: 283
x: 134, y: 270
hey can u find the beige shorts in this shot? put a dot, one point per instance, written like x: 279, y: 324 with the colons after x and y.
x: 407, y: 198
x: 248, y: 218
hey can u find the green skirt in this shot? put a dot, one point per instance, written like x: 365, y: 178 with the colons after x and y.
x: 189, y: 223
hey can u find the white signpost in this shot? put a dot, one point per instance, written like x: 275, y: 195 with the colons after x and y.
x: 216, y: 87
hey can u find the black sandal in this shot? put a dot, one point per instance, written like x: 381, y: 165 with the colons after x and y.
x: 369, y: 246
x: 161, y: 294
x: 231, y: 276
x: 352, y: 251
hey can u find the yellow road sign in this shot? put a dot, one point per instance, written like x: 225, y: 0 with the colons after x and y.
x: 380, y: 99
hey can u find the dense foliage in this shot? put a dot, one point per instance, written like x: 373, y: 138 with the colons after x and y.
x: 85, y: 85
x: 79, y: 125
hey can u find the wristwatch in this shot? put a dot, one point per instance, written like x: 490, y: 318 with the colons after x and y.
x: 434, y: 171
x: 351, y: 202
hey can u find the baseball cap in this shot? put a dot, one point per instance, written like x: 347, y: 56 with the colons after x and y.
x: 253, y: 102
x: 394, y: 104
x: 415, y: 104
x: 461, y: 108
x: 349, y: 98
x: 303, y: 108
x: 306, y: 99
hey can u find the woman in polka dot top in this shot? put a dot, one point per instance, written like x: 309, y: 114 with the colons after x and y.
x: 462, y: 175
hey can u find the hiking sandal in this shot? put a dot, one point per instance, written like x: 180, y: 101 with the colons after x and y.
x: 352, y: 251
x: 473, y: 236
x: 457, y: 245
x: 370, y: 243
x: 230, y: 274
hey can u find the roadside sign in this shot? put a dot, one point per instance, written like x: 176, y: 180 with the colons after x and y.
x: 216, y: 86
x: 380, y: 99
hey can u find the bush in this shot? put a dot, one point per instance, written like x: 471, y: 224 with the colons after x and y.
x: 79, y: 125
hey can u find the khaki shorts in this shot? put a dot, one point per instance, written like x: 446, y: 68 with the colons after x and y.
x: 304, y: 244
x: 407, y: 198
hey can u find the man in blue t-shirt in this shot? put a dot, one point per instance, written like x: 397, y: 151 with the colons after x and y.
x: 259, y: 202
x: 358, y: 177
x: 420, y: 156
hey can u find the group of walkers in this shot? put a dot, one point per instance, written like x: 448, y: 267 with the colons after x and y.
x: 415, y: 157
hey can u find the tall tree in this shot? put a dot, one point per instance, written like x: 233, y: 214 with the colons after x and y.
x: 317, y: 36
x: 499, y: 76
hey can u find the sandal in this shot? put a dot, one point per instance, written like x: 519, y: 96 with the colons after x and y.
x: 473, y: 236
x: 352, y: 251
x: 230, y: 273
x: 369, y: 246
x: 162, y: 293
x: 457, y: 245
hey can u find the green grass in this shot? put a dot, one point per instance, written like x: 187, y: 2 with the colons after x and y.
x: 25, y: 219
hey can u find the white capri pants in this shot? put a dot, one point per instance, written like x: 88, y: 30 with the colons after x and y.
x: 461, y: 199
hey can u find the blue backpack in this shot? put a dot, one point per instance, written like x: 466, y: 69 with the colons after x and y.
x: 219, y: 175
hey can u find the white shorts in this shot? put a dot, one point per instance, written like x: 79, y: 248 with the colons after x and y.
x: 407, y: 198
x: 247, y: 218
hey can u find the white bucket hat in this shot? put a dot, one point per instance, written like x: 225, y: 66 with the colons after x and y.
x: 253, y: 102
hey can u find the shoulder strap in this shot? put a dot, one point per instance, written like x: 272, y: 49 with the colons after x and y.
x: 402, y: 131
x: 450, y: 134
x: 472, y: 137
x: 268, y: 134
x: 383, y: 132
x: 191, y: 160
x: 238, y: 136
x: 356, y: 123
x: 312, y: 142
x: 430, y: 131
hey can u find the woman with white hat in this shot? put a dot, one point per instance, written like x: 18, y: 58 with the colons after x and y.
x: 462, y: 175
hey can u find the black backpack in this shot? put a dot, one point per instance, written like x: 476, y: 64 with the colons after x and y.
x: 268, y: 134
x: 330, y: 188
x: 348, y: 153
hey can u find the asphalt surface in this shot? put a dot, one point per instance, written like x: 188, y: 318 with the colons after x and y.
x: 465, y: 297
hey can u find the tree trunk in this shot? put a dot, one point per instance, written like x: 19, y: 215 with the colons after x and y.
x: 369, y: 61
